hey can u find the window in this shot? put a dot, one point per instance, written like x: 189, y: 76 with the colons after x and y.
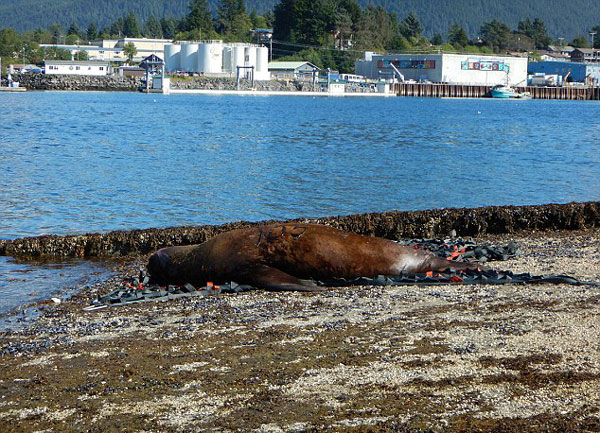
x: 77, y: 68
x: 101, y: 68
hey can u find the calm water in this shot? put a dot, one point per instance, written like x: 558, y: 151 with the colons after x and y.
x: 87, y: 162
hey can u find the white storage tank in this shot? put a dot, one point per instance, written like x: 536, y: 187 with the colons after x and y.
x: 262, y: 64
x: 227, y: 63
x: 203, y: 58
x: 189, y: 57
x: 172, y: 57
x: 238, y: 56
x: 215, y: 53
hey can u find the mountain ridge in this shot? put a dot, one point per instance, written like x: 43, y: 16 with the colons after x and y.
x: 435, y: 16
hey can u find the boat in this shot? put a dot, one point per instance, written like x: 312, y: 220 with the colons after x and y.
x: 503, y: 91
x: 506, y: 92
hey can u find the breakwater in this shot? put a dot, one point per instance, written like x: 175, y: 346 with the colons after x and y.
x: 74, y: 82
x: 212, y: 83
x: 391, y: 225
x: 432, y: 90
x: 131, y: 84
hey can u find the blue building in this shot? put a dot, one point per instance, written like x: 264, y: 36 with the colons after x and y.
x: 585, y: 73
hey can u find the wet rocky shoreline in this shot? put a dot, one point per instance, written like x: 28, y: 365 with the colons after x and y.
x: 447, y: 358
x: 391, y: 225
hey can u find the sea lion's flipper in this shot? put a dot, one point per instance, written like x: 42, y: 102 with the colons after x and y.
x: 269, y: 278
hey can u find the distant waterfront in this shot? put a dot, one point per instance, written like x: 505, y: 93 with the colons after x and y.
x: 77, y: 162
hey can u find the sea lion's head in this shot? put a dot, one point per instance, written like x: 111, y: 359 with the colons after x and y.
x: 159, y: 265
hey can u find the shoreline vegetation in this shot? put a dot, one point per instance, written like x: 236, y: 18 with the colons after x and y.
x: 447, y: 358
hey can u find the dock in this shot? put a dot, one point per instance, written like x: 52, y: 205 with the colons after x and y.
x: 12, y: 89
x: 434, y: 90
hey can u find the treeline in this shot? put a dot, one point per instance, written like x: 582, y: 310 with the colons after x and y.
x: 328, y: 33
x: 562, y: 19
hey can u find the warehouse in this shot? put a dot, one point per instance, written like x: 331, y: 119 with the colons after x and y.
x: 445, y: 68
x: 571, y: 72
x: 215, y: 58
x: 74, y: 67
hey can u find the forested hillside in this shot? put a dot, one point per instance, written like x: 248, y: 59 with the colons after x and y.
x: 562, y: 19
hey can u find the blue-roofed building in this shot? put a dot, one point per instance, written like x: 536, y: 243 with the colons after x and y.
x: 573, y: 72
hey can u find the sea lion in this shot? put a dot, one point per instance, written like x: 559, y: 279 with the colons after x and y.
x: 290, y: 256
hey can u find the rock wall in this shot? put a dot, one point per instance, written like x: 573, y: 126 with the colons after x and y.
x: 391, y: 225
x: 211, y: 83
x: 75, y: 82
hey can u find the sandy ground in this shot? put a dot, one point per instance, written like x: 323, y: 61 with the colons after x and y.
x: 411, y: 359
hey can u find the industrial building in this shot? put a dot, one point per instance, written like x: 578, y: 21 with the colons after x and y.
x: 570, y: 72
x: 292, y: 70
x: 112, y: 50
x: 215, y: 58
x: 74, y: 67
x: 467, y: 69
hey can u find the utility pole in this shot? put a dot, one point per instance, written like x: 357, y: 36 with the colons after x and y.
x: 592, y: 34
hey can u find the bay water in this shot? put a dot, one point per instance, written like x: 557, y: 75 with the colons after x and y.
x: 81, y: 162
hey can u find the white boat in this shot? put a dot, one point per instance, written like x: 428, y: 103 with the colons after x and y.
x: 503, y: 91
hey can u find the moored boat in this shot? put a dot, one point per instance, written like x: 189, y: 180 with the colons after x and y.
x: 502, y: 91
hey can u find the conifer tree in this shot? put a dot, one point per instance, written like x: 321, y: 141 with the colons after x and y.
x: 152, y: 28
x: 199, y: 17
x: 131, y: 26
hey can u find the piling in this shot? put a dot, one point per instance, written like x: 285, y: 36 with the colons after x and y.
x: 436, y: 90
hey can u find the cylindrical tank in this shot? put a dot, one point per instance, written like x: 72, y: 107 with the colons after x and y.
x: 172, y: 57
x: 227, y: 62
x: 215, y: 52
x: 189, y: 57
x: 238, y: 56
x: 203, y: 58
x: 250, y: 56
x: 262, y: 64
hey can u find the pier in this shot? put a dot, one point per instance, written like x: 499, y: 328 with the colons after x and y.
x: 434, y: 90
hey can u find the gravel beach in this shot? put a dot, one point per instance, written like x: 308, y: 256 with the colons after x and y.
x: 411, y: 359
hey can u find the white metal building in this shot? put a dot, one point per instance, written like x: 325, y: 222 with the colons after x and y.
x: 74, y: 67
x: 218, y: 59
x: 113, y: 49
x: 292, y: 70
x: 446, y: 68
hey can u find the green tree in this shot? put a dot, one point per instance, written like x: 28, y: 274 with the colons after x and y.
x: 597, y: 36
x: 437, y: 39
x: 92, y: 32
x: 233, y: 19
x: 377, y: 30
x: 55, y: 53
x: 269, y: 19
x: 152, y: 28
x: 258, y: 21
x: 495, y: 34
x: 580, y: 42
x: 75, y: 30
x: 457, y: 36
x: 117, y: 28
x: 535, y: 30
x: 131, y: 26
x: 129, y: 50
x: 82, y: 55
x: 411, y: 26
x: 56, y: 33
x: 169, y: 27
x: 199, y: 18
x: 10, y: 42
